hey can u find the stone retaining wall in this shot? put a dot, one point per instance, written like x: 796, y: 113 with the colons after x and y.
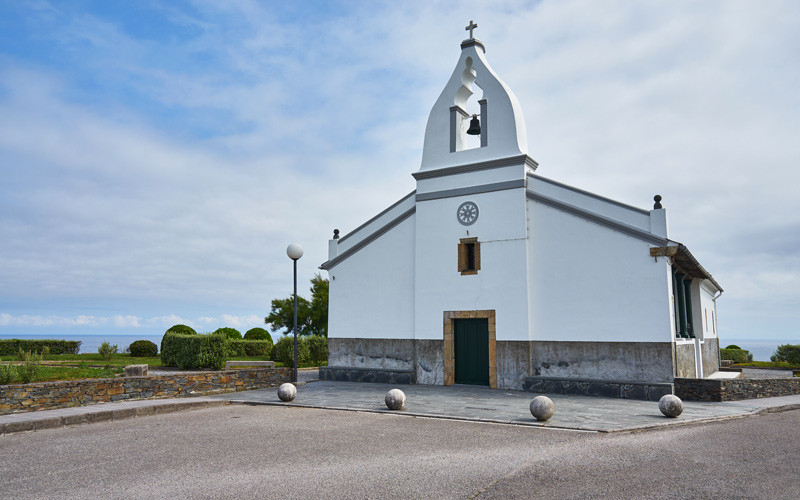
x: 50, y: 395
x: 692, y: 389
x: 604, y: 388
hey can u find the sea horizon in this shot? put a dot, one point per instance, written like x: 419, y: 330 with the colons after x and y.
x: 761, y: 349
x: 90, y: 342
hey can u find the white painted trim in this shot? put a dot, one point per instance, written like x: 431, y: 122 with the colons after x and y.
x: 590, y: 194
x: 362, y: 226
x: 485, y: 188
x: 598, y: 219
x: 327, y: 266
x: 474, y: 167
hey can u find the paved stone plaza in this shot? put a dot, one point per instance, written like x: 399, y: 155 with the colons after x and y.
x: 512, y: 407
x: 456, y: 402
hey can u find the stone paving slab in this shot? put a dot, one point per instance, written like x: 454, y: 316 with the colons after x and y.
x: 583, y: 413
x: 101, y: 412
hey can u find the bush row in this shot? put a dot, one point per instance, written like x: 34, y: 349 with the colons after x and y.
x: 183, y: 347
x: 11, y: 347
x: 188, y: 351
x: 312, y: 348
x: 231, y: 333
x: 208, y: 350
x: 238, y: 347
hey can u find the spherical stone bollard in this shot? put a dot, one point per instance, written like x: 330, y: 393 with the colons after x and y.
x: 670, y: 405
x: 542, y: 408
x: 287, y: 392
x: 395, y: 399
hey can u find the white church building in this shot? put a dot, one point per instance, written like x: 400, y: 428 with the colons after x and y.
x: 491, y: 274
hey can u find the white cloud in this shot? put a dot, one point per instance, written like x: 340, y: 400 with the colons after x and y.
x: 171, y: 170
x: 26, y: 320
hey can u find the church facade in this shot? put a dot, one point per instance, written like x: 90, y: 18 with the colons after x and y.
x: 491, y: 274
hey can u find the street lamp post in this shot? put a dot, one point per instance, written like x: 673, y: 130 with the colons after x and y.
x: 295, y: 251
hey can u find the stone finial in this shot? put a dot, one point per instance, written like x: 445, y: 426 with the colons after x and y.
x: 670, y: 405
x: 657, y: 199
x: 287, y: 392
x: 542, y: 408
x: 395, y: 399
x: 335, y: 234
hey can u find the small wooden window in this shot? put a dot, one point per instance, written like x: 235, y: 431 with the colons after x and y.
x: 469, y: 256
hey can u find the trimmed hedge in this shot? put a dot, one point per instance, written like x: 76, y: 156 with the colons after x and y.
x: 736, y: 355
x: 194, y: 351
x: 318, y: 348
x: 231, y: 333
x: 284, y: 350
x: 238, y: 347
x: 11, y: 347
x: 257, y: 334
x: 143, y: 349
x: 788, y: 353
x: 182, y: 329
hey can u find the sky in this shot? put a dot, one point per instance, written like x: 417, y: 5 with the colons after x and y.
x: 156, y: 158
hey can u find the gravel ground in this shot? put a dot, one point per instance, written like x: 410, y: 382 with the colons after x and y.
x: 289, y: 452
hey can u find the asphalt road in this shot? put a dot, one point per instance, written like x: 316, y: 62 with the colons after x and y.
x: 287, y: 452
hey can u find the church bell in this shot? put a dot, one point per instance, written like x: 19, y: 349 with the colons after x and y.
x: 474, y: 126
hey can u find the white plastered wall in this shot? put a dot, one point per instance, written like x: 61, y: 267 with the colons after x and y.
x: 499, y: 285
x: 591, y: 283
x: 372, y: 291
x: 703, y: 292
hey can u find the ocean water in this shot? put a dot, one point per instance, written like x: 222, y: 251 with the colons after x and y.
x: 90, y: 343
x: 762, y: 349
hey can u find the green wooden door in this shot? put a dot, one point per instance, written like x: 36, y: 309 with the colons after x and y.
x: 471, y: 347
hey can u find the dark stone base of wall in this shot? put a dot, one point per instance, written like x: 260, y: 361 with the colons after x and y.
x: 601, y: 388
x: 62, y: 394
x: 692, y: 389
x: 375, y: 375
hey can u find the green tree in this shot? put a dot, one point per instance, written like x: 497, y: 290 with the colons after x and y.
x: 319, y: 305
x: 312, y: 316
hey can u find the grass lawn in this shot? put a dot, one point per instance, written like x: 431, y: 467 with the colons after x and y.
x: 50, y: 373
x: 53, y: 373
x: 767, y: 364
x: 94, y: 359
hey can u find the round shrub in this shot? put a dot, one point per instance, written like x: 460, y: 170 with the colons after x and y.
x: 182, y: 329
x: 143, y: 349
x: 733, y: 346
x: 231, y: 333
x: 735, y: 355
x: 257, y: 334
x: 284, y: 350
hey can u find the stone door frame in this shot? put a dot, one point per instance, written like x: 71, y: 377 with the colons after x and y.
x: 449, y: 343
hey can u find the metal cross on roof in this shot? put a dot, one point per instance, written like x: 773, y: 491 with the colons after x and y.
x: 471, y: 27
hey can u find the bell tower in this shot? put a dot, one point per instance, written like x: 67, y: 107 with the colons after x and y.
x: 471, y: 223
x: 498, y: 121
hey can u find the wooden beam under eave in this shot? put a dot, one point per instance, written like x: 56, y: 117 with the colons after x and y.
x: 663, y: 251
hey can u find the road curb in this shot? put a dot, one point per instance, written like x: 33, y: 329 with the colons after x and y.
x: 93, y: 414
x: 781, y: 408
